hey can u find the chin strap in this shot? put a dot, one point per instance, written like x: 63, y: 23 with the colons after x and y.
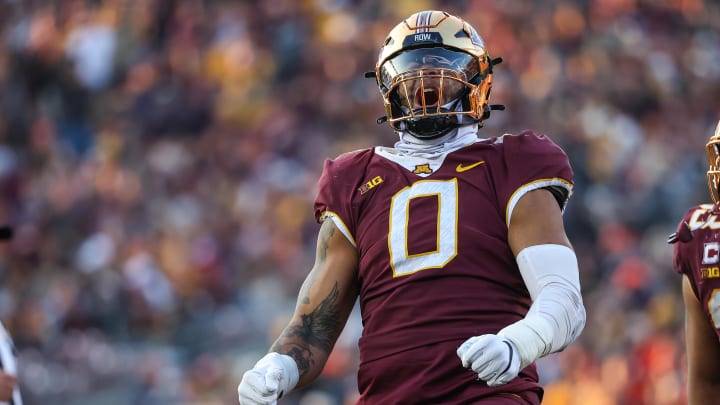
x: 488, y: 109
x: 431, y: 127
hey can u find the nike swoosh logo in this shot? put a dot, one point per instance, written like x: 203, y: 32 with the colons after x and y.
x: 460, y: 168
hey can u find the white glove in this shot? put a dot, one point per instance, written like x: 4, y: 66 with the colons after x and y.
x: 494, y: 359
x: 273, y: 375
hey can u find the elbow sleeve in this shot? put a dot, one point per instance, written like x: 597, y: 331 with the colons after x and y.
x: 557, y: 315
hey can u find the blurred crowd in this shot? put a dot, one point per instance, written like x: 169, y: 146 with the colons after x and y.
x: 159, y: 159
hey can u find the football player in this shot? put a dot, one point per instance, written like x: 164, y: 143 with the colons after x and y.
x: 9, y: 389
x: 697, y: 258
x: 454, y: 244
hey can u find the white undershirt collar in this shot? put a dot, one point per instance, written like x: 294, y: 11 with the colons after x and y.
x: 409, y: 145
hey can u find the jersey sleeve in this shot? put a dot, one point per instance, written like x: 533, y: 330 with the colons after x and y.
x: 337, y: 188
x: 532, y: 161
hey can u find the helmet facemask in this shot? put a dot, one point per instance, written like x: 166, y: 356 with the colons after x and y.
x: 713, y: 173
x: 426, y: 90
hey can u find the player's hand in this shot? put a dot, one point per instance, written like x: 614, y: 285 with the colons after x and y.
x: 494, y: 359
x: 274, y: 375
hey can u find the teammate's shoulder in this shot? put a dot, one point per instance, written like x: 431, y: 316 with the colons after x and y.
x: 695, y: 220
x: 702, y: 208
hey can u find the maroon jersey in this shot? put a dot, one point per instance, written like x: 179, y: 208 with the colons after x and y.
x: 435, y: 266
x: 697, y: 255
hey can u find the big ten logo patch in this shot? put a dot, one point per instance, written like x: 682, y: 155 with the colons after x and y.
x: 370, y: 184
x: 710, y: 272
x: 711, y: 253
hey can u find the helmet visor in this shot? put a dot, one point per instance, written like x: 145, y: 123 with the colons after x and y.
x: 464, y: 65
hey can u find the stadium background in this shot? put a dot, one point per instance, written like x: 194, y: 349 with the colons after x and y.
x: 158, y: 160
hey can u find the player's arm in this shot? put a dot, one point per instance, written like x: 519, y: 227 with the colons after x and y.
x: 326, y: 298
x: 324, y: 303
x: 549, y: 268
x: 536, y: 220
x: 703, y: 351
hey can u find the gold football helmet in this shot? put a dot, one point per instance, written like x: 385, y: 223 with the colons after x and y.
x: 713, y: 173
x: 434, y: 74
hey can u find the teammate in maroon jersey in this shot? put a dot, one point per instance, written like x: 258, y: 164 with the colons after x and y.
x: 454, y: 244
x: 697, y: 258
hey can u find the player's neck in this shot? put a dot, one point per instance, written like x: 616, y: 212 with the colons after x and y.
x: 429, y: 148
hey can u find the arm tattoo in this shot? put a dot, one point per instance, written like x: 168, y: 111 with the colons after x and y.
x: 319, y: 328
x: 322, y: 326
x: 326, y: 232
